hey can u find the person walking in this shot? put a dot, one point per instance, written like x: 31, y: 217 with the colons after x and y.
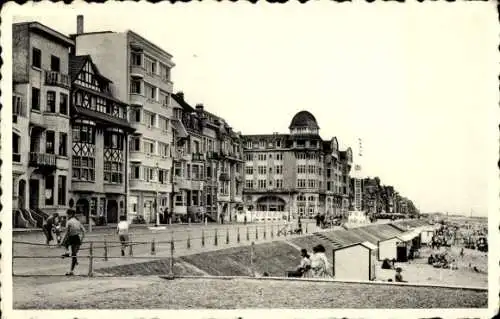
x: 122, y: 231
x: 75, y: 233
x: 48, y: 226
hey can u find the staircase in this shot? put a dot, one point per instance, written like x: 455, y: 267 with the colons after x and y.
x: 18, y: 219
x: 323, y: 237
x: 38, y: 215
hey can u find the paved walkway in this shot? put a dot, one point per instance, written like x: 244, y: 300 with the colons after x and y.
x: 142, y: 250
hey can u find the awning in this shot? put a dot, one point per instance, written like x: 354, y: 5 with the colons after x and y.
x: 179, y: 128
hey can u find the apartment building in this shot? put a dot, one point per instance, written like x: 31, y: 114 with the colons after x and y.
x: 40, y: 122
x: 208, y: 164
x: 98, y: 149
x: 297, y: 172
x: 140, y: 72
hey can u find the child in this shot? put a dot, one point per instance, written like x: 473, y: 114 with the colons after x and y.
x: 122, y: 231
x: 58, y: 231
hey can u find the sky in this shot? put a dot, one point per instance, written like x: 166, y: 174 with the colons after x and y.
x: 417, y: 82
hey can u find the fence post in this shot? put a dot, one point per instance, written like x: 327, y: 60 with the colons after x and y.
x: 202, y: 238
x: 238, y: 236
x: 171, y: 271
x: 251, y: 258
x: 130, y: 251
x: 153, y: 248
x: 256, y: 232
x: 227, y: 236
x: 91, y: 259
x: 248, y: 234
x: 189, y: 240
x: 215, y: 238
x: 105, y: 250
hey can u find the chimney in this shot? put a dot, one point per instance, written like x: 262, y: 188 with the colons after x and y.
x: 180, y: 95
x: 79, y: 24
x: 199, y: 107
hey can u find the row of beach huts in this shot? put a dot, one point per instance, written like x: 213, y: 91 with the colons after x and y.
x: 357, y: 250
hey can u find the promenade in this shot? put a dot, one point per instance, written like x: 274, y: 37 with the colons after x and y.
x: 36, y: 258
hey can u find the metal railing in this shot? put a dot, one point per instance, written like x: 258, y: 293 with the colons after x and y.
x: 154, y: 250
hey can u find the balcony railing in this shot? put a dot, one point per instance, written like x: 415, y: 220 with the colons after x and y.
x: 57, y: 78
x: 42, y: 160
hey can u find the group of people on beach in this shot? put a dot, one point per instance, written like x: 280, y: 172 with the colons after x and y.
x: 312, y: 266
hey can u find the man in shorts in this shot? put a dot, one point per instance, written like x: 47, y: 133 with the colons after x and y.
x: 122, y: 231
x: 75, y: 232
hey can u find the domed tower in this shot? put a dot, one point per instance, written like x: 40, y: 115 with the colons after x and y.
x: 304, y: 123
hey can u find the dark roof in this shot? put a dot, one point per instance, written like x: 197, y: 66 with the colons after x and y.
x: 304, y: 119
x: 103, y: 118
x: 76, y: 64
x: 265, y: 136
x: 179, y: 98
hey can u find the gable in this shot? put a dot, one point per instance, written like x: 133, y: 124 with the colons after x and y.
x: 88, y: 77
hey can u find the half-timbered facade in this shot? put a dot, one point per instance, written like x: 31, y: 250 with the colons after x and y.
x: 99, y: 153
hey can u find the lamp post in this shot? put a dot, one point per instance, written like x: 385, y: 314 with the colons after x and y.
x: 156, y: 198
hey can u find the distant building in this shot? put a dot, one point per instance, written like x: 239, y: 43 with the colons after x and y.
x: 297, y: 172
x: 208, y: 164
x: 140, y: 72
x: 41, y: 166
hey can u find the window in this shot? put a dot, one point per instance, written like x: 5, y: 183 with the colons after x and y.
x: 179, y: 200
x: 35, y: 98
x: 49, y: 190
x: 279, y: 156
x: 178, y: 169
x: 135, y: 172
x: 279, y: 183
x: 164, y: 72
x: 224, y: 189
x: 328, y: 186
x: 262, y: 157
x: 149, y: 118
x: 163, y: 176
x: 136, y: 115
x: 301, y: 183
x: 279, y: 169
x: 163, y: 123
x: 249, y: 170
x: 261, y: 170
x: 63, y: 142
x: 163, y: 149
x: 83, y: 168
x: 278, y: 143
x: 51, y: 101
x: 36, y: 58
x: 135, y: 144
x: 63, y: 104
x: 61, y: 190
x: 262, y: 144
x: 149, y: 174
x: 113, y: 172
x: 150, y: 64
x: 55, y: 63
x: 16, y: 147
x: 209, y: 172
x: 136, y: 59
x: 301, y: 169
x: 300, y: 156
x: 150, y: 91
x: 50, y: 141
x: 249, y: 157
x: 149, y: 147
x: 328, y: 173
x: 311, y: 169
x: 312, y: 183
x: 135, y: 86
x: 249, y: 183
x: 262, y: 183
x: 164, y: 98
x: 83, y: 134
x: 113, y: 140
x: 320, y: 171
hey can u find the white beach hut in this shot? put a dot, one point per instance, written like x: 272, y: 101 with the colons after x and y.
x: 355, y: 261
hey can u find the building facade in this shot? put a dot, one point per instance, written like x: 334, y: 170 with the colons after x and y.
x: 208, y: 164
x: 297, y: 172
x: 98, y: 144
x: 41, y: 123
x: 140, y: 71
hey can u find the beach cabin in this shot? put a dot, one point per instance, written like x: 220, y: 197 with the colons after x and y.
x: 355, y: 261
x: 426, y: 234
x: 398, y: 247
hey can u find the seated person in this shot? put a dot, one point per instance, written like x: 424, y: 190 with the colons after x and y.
x: 399, y: 276
x: 430, y: 260
x: 386, y: 264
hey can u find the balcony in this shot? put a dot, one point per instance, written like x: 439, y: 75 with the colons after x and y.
x: 224, y: 177
x: 137, y: 71
x: 42, y: 160
x: 55, y: 78
x: 137, y: 99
